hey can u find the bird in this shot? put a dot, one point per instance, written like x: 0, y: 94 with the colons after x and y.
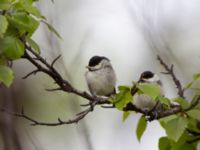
x: 100, y: 76
x: 144, y: 101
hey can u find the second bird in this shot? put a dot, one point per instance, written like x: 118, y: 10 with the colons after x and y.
x: 143, y: 101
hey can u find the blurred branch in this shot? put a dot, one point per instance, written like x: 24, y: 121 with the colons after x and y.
x: 8, y: 126
x: 34, y: 122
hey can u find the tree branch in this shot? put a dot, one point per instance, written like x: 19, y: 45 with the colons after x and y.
x: 48, y: 68
x: 34, y: 122
x: 170, y: 71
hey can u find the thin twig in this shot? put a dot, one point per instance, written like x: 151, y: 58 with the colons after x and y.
x: 31, y: 73
x: 34, y: 122
x: 54, y: 61
x: 55, y: 89
x: 170, y: 71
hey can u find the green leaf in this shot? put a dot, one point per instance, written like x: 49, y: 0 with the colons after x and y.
x: 178, y: 144
x: 175, y: 127
x: 189, y: 85
x: 11, y: 47
x: 5, y: 4
x: 152, y: 90
x: 123, y: 97
x: 164, y: 143
x: 194, y: 113
x: 3, y: 25
x: 3, y: 60
x: 52, y: 29
x: 33, y: 44
x: 184, y: 103
x: 187, y: 146
x: 197, y: 89
x: 193, y: 124
x: 164, y: 120
x: 125, y: 115
x: 24, y: 23
x: 164, y: 100
x: 34, y: 11
x: 123, y: 88
x: 141, y: 126
x: 26, y: 5
x: 196, y: 76
x: 6, y: 75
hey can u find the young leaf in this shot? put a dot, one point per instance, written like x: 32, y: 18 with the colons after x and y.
x: 184, y: 103
x: 178, y: 144
x: 122, y: 99
x: 141, y: 126
x: 4, y: 4
x: 34, y: 11
x: 52, y: 29
x: 6, y: 75
x: 26, y: 5
x: 187, y: 146
x: 189, y: 85
x: 24, y: 23
x: 125, y: 115
x: 194, y: 113
x: 164, y: 143
x: 11, y: 47
x: 164, y: 120
x: 196, y: 76
x: 164, y: 100
x: 33, y: 44
x: 152, y: 90
x: 175, y: 127
x: 3, y: 25
x: 123, y: 88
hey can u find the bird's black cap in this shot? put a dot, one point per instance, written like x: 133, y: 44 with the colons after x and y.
x: 95, y: 60
x: 146, y: 75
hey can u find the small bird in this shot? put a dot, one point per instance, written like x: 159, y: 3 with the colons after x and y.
x: 143, y: 101
x: 100, y: 77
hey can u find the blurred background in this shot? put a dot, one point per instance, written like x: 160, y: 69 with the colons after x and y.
x: 131, y: 33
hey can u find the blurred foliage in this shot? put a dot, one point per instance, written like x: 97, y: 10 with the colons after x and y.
x: 18, y: 18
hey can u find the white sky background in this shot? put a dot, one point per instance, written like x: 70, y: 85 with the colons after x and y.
x: 122, y: 30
